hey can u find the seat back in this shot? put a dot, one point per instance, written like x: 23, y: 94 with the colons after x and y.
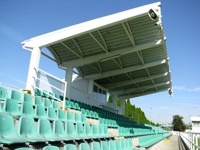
x: 27, y: 126
x: 70, y: 147
x: 3, y: 93
x: 27, y: 109
x: 27, y: 98
x: 61, y: 114
x: 16, y: 95
x: 11, y: 107
x: 70, y: 116
x: 84, y: 146
x: 104, y: 145
x: 47, y: 102
x: 44, y: 128
x: 38, y: 101
x: 51, y: 112
x: 70, y: 128
x: 58, y: 128
x: 7, y: 127
x: 40, y: 111
x: 95, y: 146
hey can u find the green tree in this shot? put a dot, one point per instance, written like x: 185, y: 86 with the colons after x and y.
x: 178, y: 124
x: 110, y: 99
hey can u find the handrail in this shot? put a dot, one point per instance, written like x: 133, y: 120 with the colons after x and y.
x: 49, y: 74
x: 191, y: 142
x: 46, y: 83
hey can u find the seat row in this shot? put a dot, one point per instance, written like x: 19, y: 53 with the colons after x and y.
x: 29, y: 130
x: 124, y: 144
x: 15, y: 109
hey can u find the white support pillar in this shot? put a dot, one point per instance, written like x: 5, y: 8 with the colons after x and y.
x: 90, y: 86
x: 32, y: 74
x: 68, y: 79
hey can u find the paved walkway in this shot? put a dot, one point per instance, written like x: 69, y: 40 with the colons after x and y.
x: 170, y: 143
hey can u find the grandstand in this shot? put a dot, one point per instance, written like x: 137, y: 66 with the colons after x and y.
x: 123, y: 55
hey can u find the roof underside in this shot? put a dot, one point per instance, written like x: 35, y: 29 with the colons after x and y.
x: 126, y: 55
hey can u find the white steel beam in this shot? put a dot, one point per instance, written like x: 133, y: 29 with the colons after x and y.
x: 128, y: 82
x: 124, y: 70
x: 95, y: 39
x: 89, y: 26
x: 131, y: 90
x: 65, y: 45
x: 140, y: 94
x: 99, y: 57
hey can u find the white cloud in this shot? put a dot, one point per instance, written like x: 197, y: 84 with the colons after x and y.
x: 183, y: 88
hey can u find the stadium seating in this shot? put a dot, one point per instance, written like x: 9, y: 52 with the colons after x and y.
x: 39, y: 119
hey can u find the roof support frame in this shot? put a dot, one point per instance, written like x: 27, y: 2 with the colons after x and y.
x: 129, y: 91
x: 65, y: 45
x: 95, y: 39
x: 140, y: 94
x: 131, y: 38
x: 124, y: 70
x: 128, y: 82
x: 92, y: 59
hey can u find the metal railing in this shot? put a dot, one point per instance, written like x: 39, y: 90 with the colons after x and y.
x: 190, y: 139
x: 50, y: 81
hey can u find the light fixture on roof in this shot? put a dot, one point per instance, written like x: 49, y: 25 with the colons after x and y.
x: 152, y: 14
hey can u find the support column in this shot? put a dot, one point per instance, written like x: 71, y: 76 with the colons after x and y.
x: 68, y: 79
x: 32, y: 74
x: 90, y: 86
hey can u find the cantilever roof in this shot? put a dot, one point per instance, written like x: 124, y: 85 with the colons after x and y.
x: 124, y: 52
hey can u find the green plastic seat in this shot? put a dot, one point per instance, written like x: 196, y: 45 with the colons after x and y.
x: 3, y: 93
x: 8, y: 133
x: 70, y: 116
x: 28, y: 98
x: 83, y: 118
x: 55, y: 104
x: 27, y: 109
x: 95, y: 146
x: 80, y: 129
x: 70, y: 130
x: 95, y: 130
x: 51, y: 95
x: 58, y: 130
x: 47, y: 102
x: 16, y: 95
x: 24, y: 148
x: 38, y: 92
x: 61, y: 115
x: 11, y: 107
x: 40, y: 111
x: 38, y: 101
x: 76, y: 105
x: 27, y: 129
x: 105, y: 145
x: 118, y: 145
x: 112, y: 144
x: 77, y: 117
x: 84, y: 146
x: 89, y: 130
x: 45, y: 130
x: 45, y: 94
x: 51, y: 148
x: 70, y: 147
x: 51, y: 113
x: 67, y: 104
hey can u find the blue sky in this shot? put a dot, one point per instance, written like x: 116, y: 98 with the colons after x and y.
x: 22, y: 19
